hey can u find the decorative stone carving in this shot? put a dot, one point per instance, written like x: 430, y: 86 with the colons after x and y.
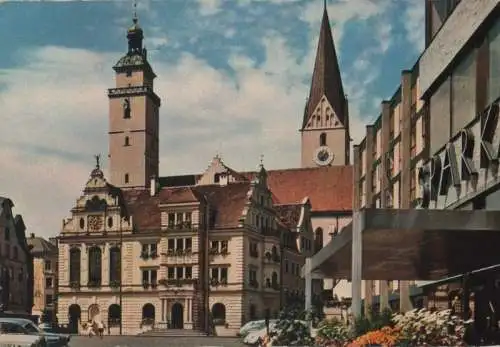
x: 95, y: 223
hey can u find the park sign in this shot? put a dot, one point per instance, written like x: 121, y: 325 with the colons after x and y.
x: 466, y: 166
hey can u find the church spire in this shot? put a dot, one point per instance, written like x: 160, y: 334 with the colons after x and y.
x: 135, y: 34
x: 326, y: 78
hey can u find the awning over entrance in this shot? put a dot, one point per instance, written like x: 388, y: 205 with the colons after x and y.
x: 415, y: 244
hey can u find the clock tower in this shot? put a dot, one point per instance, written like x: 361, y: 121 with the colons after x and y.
x: 133, y: 117
x: 324, y: 131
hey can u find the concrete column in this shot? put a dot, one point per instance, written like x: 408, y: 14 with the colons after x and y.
x: 308, y: 280
x: 385, y: 182
x: 357, y: 227
x: 406, y: 103
x: 370, y: 144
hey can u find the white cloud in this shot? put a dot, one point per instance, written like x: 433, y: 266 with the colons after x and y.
x: 55, y: 117
x: 414, y: 19
x: 209, y: 7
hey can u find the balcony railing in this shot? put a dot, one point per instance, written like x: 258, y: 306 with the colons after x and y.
x: 215, y: 282
x: 215, y: 251
x: 177, y: 282
x: 179, y: 252
x: 184, y: 226
x: 149, y: 255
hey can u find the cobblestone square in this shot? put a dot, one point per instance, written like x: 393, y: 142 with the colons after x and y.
x: 134, y: 341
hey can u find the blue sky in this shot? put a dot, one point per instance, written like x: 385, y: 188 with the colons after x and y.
x: 233, y: 76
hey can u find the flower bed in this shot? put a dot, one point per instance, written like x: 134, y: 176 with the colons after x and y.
x: 413, y: 328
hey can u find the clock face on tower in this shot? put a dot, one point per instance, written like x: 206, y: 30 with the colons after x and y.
x: 95, y: 223
x: 323, y: 156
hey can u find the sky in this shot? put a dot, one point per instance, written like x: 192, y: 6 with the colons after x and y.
x: 233, y: 76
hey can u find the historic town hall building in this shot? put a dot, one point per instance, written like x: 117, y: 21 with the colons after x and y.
x: 219, y: 248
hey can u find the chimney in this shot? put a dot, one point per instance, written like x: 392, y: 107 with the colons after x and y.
x: 32, y: 235
x: 153, y: 185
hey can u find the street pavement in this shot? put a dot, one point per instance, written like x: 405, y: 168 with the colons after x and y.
x: 144, y: 341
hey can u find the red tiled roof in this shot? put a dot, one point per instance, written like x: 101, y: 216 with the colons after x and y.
x: 177, y: 195
x: 329, y: 188
x: 227, y: 201
x: 143, y: 208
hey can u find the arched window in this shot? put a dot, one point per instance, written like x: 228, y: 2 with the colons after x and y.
x: 322, y: 139
x: 74, y: 266
x: 82, y: 223
x: 114, y: 315
x: 127, y: 141
x: 274, y: 279
x: 126, y: 108
x: 219, y: 314
x: 318, y: 239
x: 148, y: 314
x: 114, y: 266
x: 126, y: 178
x: 95, y: 266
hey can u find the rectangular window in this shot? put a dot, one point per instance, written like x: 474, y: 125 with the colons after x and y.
x: 189, y: 243
x: 189, y: 272
x: 145, y: 276
x: 171, y: 272
x: 48, y: 265
x: 179, y: 219
x: 215, y: 273
x: 49, y: 300
x: 171, y: 220
x: 463, y: 92
x: 153, y: 276
x: 440, y: 116
x: 494, y: 58
x: 180, y: 272
x: 153, y: 249
x: 48, y: 282
x: 171, y: 244
x: 223, y: 273
x: 180, y: 244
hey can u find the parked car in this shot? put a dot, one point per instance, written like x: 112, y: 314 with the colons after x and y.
x: 254, y: 326
x: 51, y: 339
x: 21, y: 340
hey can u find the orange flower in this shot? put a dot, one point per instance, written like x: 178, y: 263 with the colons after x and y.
x: 386, y: 336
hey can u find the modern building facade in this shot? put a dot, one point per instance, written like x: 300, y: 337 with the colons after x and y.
x: 217, y: 248
x: 16, y: 266
x: 453, y: 166
x: 386, y: 166
x: 44, y: 253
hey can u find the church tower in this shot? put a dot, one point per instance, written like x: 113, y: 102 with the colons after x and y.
x: 133, y: 117
x: 325, y: 136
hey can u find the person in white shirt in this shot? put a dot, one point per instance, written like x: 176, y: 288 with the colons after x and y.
x: 100, y: 328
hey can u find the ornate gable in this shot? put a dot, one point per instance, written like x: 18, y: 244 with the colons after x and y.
x: 100, y: 209
x: 218, y: 173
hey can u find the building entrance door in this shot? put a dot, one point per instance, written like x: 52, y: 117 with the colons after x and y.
x: 74, y: 315
x: 177, y: 316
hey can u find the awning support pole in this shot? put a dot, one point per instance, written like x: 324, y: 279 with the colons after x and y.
x: 356, y: 275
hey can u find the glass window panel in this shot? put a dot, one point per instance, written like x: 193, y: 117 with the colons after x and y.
x: 463, y: 92
x: 440, y: 116
x: 494, y: 74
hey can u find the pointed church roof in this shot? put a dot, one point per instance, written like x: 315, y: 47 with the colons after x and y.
x: 326, y: 78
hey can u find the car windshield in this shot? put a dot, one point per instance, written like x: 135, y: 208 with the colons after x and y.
x: 31, y: 328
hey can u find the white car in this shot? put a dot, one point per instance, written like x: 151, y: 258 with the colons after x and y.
x: 20, y: 340
x: 253, y: 337
x: 254, y: 326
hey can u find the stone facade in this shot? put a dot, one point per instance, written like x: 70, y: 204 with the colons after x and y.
x: 167, y: 257
x: 44, y: 255
x: 16, y: 279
